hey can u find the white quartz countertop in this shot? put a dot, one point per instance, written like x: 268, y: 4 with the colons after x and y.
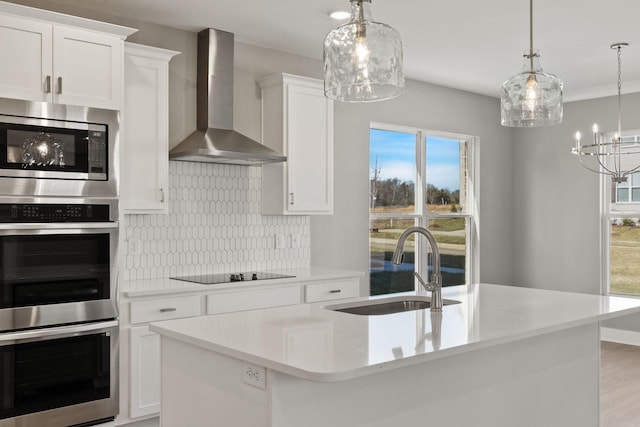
x: 165, y: 286
x: 314, y: 343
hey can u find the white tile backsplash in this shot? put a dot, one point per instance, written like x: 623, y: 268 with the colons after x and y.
x: 214, y: 225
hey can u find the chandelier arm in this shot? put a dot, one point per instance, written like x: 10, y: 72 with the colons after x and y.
x: 586, y: 166
x: 601, y: 153
x: 630, y: 171
x: 603, y: 166
x: 608, y: 172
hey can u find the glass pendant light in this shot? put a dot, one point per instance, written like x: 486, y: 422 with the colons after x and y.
x: 531, y: 98
x: 363, y: 59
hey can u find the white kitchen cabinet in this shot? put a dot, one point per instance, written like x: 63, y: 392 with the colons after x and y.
x: 144, y: 349
x: 29, y: 45
x: 87, y: 68
x: 60, y: 58
x: 331, y: 290
x: 297, y: 121
x: 145, y: 146
x: 253, y: 299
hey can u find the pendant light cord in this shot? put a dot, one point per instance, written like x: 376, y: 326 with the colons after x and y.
x: 618, y: 143
x: 531, y: 33
x: 620, y: 91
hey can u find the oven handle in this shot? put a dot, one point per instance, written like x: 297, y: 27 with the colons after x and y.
x: 57, y: 330
x: 58, y: 225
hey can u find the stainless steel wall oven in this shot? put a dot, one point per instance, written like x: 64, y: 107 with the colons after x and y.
x: 58, y: 311
x: 59, y: 235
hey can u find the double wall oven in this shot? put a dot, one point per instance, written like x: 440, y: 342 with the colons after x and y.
x: 58, y: 274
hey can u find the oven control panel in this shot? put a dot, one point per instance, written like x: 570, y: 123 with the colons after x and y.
x: 41, y: 212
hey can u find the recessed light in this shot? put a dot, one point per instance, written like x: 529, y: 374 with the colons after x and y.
x: 339, y: 15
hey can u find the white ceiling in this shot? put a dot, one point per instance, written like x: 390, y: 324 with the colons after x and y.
x: 471, y: 45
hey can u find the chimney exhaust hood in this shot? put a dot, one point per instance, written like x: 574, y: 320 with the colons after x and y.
x: 215, y: 141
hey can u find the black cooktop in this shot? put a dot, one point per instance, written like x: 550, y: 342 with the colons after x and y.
x: 213, y: 279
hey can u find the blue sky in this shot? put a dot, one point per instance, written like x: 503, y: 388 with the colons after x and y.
x: 395, y: 153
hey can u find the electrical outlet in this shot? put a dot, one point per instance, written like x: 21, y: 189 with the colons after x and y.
x: 254, y: 375
x: 295, y: 240
x: 280, y: 241
x: 134, y: 246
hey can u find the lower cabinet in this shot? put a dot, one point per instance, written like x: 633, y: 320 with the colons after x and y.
x: 144, y: 346
x: 251, y: 300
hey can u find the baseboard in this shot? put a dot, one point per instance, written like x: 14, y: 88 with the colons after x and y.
x: 621, y: 336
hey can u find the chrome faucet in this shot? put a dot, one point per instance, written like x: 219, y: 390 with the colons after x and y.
x: 435, y: 286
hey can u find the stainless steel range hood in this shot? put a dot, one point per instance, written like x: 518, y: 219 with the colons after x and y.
x: 215, y: 141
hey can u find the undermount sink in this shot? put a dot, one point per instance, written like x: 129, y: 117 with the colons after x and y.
x: 388, y: 305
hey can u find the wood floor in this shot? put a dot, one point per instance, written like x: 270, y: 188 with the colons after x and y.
x: 619, y: 385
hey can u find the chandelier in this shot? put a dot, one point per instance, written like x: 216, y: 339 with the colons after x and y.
x: 531, y: 98
x: 607, y: 156
x: 363, y: 59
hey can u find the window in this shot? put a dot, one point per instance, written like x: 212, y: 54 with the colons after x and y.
x: 628, y: 192
x: 621, y: 229
x: 422, y: 178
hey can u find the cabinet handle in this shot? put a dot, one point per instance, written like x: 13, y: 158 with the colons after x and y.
x: 291, y: 198
x: 59, y: 86
x: 168, y: 310
x: 162, y: 195
x: 47, y: 84
x: 335, y: 291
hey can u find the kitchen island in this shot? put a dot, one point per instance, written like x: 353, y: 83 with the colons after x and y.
x: 502, y: 356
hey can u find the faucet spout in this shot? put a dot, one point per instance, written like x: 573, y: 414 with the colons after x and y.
x: 435, y: 286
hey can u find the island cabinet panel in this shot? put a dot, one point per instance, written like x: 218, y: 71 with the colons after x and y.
x: 547, y: 380
x: 220, y: 399
x: 60, y: 63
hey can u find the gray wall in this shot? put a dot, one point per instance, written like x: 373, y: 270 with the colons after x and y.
x: 556, y: 202
x: 341, y: 240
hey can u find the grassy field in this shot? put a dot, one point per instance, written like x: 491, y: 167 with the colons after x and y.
x: 384, y: 234
x: 625, y: 253
x: 625, y: 259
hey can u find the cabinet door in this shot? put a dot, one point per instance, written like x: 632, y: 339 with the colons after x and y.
x: 145, y: 146
x: 144, y: 398
x: 309, y: 150
x: 145, y: 161
x: 87, y: 68
x: 25, y: 47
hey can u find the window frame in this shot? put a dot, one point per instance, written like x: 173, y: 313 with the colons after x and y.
x: 626, y: 209
x: 421, y: 215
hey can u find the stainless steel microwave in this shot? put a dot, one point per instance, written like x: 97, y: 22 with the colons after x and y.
x: 57, y: 150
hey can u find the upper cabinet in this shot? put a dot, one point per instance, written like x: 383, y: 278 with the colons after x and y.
x: 145, y: 146
x: 60, y: 58
x: 297, y: 121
